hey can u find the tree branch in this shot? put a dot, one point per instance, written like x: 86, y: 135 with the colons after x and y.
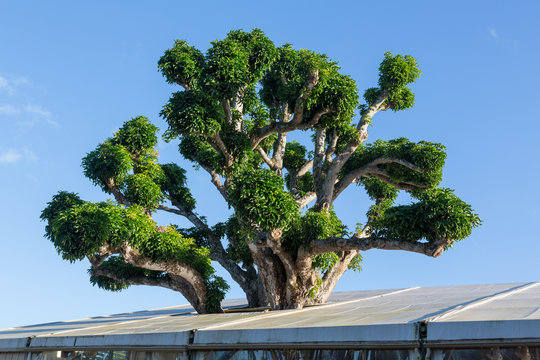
x: 265, y: 157
x: 320, y: 138
x: 306, y: 199
x: 433, y: 249
x: 311, y: 81
x: 118, y: 196
x: 227, y: 108
x: 221, y: 146
x: 326, y: 198
x: 304, y: 169
x: 298, y: 117
x: 372, y: 169
x: 216, y: 181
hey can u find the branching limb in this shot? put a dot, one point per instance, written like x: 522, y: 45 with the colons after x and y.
x: 104, y: 252
x: 245, y: 279
x: 195, y: 290
x: 311, y: 81
x: 331, y: 149
x: 216, y: 181
x: 304, y: 169
x: 372, y: 169
x: 184, y: 85
x: 165, y: 282
x: 279, y: 127
x: 325, y: 200
x: 332, y: 276
x: 306, y: 199
x: 227, y: 109
x: 221, y: 147
x: 118, y: 196
x: 433, y: 249
x: 265, y: 157
x: 320, y: 138
x: 297, y: 120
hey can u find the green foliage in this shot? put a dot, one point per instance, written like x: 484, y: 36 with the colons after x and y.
x: 438, y: 214
x: 198, y: 150
x: 142, y: 190
x: 235, y: 62
x: 238, y: 236
x: 259, y: 198
x: 397, y: 71
x: 80, y: 230
x: 313, y: 226
x: 295, y: 156
x: 166, y: 244
x: 334, y: 92
x: 108, y: 161
x: 191, y: 113
x: 216, y: 288
x: 174, y: 185
x: 425, y: 155
x: 286, y: 79
x: 181, y: 64
x: 379, y: 190
x: 137, y: 135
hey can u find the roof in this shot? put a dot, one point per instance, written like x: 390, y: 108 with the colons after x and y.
x: 392, y: 318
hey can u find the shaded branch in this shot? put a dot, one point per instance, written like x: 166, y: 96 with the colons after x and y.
x: 372, y: 169
x: 433, y: 249
x: 326, y: 198
x: 298, y: 117
x: 221, y: 147
x: 118, y: 196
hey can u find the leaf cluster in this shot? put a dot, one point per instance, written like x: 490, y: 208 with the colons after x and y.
x: 258, y: 197
x: 438, y: 215
x: 428, y: 156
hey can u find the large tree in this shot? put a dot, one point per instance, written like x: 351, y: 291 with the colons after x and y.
x: 286, y: 247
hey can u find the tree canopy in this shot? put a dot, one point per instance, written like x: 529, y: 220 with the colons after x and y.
x: 285, y: 245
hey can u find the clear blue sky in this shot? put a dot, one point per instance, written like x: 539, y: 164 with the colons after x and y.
x: 72, y: 72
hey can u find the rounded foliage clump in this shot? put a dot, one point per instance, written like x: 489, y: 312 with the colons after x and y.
x: 136, y: 135
x: 182, y: 64
x: 191, y: 113
x: 108, y: 162
x: 142, y: 190
x: 259, y: 198
x: 174, y: 184
x: 313, y: 226
x: 438, y: 215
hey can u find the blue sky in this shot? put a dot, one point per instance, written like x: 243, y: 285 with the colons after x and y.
x: 72, y: 72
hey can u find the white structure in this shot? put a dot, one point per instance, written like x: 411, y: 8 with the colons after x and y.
x: 500, y: 321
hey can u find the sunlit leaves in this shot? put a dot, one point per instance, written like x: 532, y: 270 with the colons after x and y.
x: 192, y: 113
x: 181, y: 64
x: 136, y: 135
x: 438, y: 215
x: 425, y: 155
x: 107, y: 161
x: 259, y: 198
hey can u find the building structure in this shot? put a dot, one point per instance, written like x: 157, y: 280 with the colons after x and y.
x: 497, y: 321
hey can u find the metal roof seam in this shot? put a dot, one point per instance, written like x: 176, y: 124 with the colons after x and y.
x: 106, y: 325
x: 267, y: 315
x: 482, y: 301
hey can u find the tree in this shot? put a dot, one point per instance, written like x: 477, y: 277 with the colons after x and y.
x: 286, y: 246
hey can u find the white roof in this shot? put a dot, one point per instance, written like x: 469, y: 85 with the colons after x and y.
x: 395, y: 317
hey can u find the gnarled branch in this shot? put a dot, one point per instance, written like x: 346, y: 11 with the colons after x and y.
x: 372, y: 169
x: 433, y: 249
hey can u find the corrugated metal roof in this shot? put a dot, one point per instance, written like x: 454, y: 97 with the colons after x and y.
x: 389, y: 317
